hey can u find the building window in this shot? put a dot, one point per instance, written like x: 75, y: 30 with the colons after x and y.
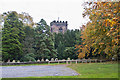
x: 60, y: 29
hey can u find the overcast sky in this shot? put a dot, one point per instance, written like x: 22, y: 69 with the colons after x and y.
x: 49, y: 10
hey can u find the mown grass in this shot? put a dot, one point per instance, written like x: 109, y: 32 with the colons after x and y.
x: 96, y: 70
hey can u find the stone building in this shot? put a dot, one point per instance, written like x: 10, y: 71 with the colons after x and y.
x: 58, y: 26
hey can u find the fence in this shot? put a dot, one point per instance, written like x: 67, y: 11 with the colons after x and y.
x: 58, y: 61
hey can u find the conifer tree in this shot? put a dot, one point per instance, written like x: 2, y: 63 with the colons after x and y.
x: 60, y: 51
x: 44, y: 44
x: 12, y: 37
x: 28, y: 44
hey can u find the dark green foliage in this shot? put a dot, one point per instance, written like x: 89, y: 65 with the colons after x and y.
x: 60, y: 51
x: 44, y: 44
x: 28, y: 57
x: 70, y: 52
x: 78, y: 39
x: 12, y: 37
x: 58, y: 38
x: 65, y: 43
x: 69, y: 38
x: 28, y: 42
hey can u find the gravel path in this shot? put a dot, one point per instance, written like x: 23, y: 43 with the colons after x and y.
x: 38, y: 70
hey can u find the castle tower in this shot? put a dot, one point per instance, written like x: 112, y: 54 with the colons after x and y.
x: 58, y: 26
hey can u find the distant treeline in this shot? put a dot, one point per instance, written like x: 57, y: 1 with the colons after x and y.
x: 24, y: 40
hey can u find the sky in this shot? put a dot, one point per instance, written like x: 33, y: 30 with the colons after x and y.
x: 49, y: 10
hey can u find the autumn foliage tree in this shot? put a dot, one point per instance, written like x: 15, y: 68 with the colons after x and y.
x: 102, y: 32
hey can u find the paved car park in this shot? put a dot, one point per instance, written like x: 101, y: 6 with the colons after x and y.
x: 37, y: 71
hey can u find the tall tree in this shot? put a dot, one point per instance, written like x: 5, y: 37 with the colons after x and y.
x: 58, y: 38
x: 65, y: 43
x: 102, y: 32
x: 1, y: 25
x: 69, y: 38
x: 60, y: 51
x: 12, y: 37
x: 28, y: 44
x: 44, y: 41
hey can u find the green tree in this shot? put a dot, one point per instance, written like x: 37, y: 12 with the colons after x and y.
x: 60, y: 51
x: 58, y: 38
x: 70, y: 52
x: 44, y: 44
x: 29, y: 57
x: 68, y: 40
x: 12, y: 37
x: 28, y: 43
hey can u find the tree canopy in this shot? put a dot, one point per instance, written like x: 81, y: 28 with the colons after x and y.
x: 101, y: 33
x: 12, y: 37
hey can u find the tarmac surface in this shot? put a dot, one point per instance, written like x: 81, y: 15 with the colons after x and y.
x: 37, y: 71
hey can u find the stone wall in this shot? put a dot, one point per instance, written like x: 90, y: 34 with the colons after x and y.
x: 22, y: 63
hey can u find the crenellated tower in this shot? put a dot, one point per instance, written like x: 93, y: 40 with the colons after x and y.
x: 58, y: 26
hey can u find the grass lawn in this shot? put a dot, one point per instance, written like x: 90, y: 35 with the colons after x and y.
x: 96, y: 70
